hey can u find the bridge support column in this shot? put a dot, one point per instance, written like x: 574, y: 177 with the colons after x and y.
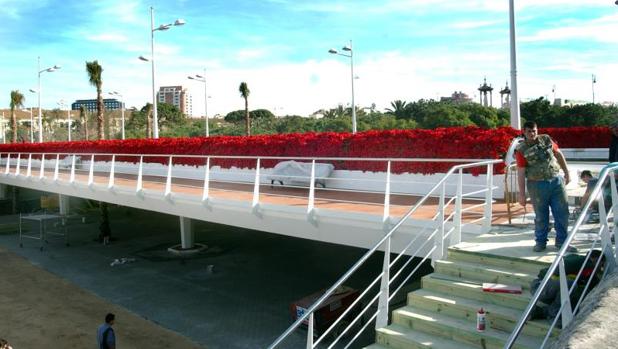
x: 187, y: 246
x: 63, y: 204
x: 3, y: 190
x: 187, y: 236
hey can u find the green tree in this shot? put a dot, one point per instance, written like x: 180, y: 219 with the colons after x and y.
x: 17, y: 101
x: 244, y: 93
x: 95, y: 72
x: 83, y: 115
x: 399, y: 109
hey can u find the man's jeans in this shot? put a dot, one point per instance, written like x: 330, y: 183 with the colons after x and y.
x: 546, y: 194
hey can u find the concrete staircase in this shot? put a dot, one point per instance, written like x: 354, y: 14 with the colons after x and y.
x: 442, y: 314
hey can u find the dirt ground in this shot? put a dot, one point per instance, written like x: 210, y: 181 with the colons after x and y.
x: 40, y: 310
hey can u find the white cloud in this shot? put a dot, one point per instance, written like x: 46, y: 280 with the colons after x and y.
x: 603, y: 29
x: 474, y: 24
x: 108, y: 37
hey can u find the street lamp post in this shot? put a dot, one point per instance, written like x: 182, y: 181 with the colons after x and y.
x: 351, y: 56
x: 162, y: 27
x: 31, y: 120
x: 49, y: 70
x: 202, y: 78
x: 115, y: 93
x: 515, y: 120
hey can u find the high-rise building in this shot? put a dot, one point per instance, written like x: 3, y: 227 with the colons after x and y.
x: 91, y: 104
x: 178, y: 96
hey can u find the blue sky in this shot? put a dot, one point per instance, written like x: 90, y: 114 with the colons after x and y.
x: 403, y: 49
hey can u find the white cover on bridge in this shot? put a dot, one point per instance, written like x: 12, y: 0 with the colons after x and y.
x: 299, y: 173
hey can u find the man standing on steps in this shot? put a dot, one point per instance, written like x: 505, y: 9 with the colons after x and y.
x: 538, y: 164
x: 106, y: 339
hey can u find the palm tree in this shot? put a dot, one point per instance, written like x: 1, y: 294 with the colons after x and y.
x: 95, y: 71
x: 244, y: 93
x: 399, y: 109
x: 84, y: 116
x: 17, y: 101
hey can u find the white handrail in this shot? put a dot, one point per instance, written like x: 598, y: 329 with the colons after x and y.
x: 384, y: 241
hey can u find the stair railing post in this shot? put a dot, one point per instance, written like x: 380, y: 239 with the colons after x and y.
x: 29, y: 168
x: 567, y: 312
x: 42, y: 171
x: 168, y: 181
x: 441, y: 245
x: 72, y: 178
x: 139, y: 188
x: 57, y: 167
x: 310, y: 332
x: 387, y: 198
x: 606, y: 241
x: 206, y: 192
x: 256, y: 187
x: 458, y: 209
x: 382, y: 315
x: 8, y: 164
x: 91, y: 171
x: 112, y: 169
x: 487, y: 214
x: 612, y: 177
x: 18, y: 166
x: 311, y: 199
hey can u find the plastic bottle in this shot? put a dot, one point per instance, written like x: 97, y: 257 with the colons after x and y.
x: 480, y: 320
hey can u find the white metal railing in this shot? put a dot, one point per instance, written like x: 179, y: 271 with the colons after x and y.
x: 436, y: 236
x: 443, y: 229
x: 602, y: 265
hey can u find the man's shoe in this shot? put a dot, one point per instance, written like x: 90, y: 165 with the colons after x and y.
x: 538, y: 248
x: 570, y: 249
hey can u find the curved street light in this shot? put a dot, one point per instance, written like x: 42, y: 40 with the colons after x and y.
x: 115, y: 93
x: 162, y: 27
x: 46, y: 70
x: 351, y: 56
x: 202, y: 78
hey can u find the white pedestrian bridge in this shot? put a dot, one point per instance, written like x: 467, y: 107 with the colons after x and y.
x: 353, y: 208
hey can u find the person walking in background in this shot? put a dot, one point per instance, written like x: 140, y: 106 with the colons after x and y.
x: 538, y: 164
x: 613, y: 145
x: 106, y: 339
x: 4, y: 344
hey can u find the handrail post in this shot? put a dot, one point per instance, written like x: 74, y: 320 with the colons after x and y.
x: 256, y: 187
x: 606, y: 241
x: 112, y: 168
x: 140, y: 171
x: 615, y: 211
x: 206, y: 193
x: 72, y: 179
x: 18, y: 166
x: 387, y: 198
x: 91, y: 171
x: 168, y: 181
x: 29, y: 168
x: 42, y: 171
x: 458, y: 209
x: 382, y: 315
x: 56, y: 168
x: 311, y: 199
x: 567, y: 312
x: 487, y: 214
x: 8, y: 164
x: 310, y: 332
x: 440, y: 244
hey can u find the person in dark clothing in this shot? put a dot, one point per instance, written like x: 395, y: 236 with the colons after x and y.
x: 613, y: 145
x: 106, y: 339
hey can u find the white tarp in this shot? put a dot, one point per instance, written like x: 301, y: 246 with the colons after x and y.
x: 299, y: 173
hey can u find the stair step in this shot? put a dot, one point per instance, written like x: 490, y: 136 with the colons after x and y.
x: 458, y: 330
x: 471, y: 289
x: 484, y: 273
x: 498, y: 316
x: 504, y: 262
x: 400, y: 337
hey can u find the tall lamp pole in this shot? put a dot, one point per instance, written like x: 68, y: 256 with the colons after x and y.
x: 351, y: 56
x: 48, y: 70
x: 115, y: 93
x: 162, y: 27
x: 202, y: 78
x: 31, y: 120
x: 515, y: 119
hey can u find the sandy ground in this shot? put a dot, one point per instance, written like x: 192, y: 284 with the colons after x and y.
x: 40, y: 310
